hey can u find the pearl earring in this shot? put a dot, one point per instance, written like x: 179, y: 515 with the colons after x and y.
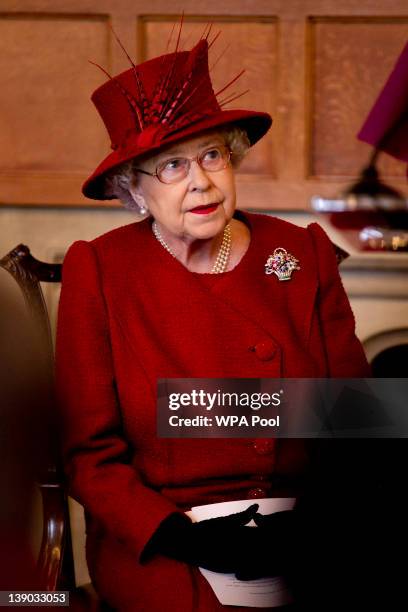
x: 140, y: 202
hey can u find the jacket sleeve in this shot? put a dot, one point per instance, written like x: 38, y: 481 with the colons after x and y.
x: 96, y: 454
x: 344, y: 353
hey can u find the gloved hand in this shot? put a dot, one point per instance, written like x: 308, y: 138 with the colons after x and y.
x: 220, y: 544
x: 275, y: 534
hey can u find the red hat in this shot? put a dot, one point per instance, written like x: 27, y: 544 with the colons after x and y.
x: 386, y: 126
x: 160, y: 102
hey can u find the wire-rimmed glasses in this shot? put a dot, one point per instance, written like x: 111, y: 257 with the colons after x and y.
x: 175, y: 169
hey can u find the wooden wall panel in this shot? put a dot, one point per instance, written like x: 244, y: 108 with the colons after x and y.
x: 350, y: 62
x: 46, y: 123
x: 247, y: 44
x: 315, y: 65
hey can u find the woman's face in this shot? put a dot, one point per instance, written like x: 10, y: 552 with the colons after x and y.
x: 175, y: 205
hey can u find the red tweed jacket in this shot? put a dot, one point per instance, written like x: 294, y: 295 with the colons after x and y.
x: 130, y: 314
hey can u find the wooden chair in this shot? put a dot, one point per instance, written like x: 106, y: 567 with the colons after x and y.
x: 28, y: 352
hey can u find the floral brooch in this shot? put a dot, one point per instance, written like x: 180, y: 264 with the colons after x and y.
x: 282, y: 264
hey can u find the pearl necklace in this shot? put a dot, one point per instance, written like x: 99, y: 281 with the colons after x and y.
x: 220, y: 263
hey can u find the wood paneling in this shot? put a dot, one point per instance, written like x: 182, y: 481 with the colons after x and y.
x: 50, y: 133
x: 46, y: 123
x: 351, y: 60
x: 315, y: 65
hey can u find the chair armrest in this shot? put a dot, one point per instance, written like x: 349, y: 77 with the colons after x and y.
x: 55, y: 520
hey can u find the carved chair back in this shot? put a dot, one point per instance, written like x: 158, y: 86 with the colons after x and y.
x: 27, y: 373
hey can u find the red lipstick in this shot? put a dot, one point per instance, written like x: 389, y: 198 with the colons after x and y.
x: 205, y: 210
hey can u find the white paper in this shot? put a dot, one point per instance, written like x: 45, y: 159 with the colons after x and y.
x: 261, y: 593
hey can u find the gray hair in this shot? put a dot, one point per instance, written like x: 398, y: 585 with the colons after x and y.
x: 118, y: 181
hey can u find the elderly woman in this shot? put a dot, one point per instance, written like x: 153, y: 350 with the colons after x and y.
x: 183, y: 293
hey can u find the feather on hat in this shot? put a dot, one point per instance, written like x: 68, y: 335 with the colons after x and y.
x: 161, y: 101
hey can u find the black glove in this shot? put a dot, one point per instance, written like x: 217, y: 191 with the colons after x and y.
x: 275, y: 534
x: 221, y: 544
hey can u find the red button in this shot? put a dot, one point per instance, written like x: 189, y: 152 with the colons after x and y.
x: 264, y: 447
x: 256, y: 493
x: 265, y: 350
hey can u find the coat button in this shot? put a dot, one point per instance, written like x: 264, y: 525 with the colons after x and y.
x: 264, y: 447
x: 256, y: 493
x: 265, y: 350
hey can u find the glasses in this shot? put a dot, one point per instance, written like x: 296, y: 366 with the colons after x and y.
x: 176, y: 169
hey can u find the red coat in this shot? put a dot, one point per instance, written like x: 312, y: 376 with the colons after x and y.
x: 130, y: 314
